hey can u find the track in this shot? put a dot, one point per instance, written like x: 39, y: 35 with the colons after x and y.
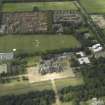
x: 56, y: 92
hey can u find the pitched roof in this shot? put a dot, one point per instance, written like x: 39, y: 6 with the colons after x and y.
x: 6, y: 56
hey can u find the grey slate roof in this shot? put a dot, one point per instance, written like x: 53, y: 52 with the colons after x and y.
x: 6, y: 56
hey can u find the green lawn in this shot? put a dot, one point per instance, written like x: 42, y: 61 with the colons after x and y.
x: 10, y: 7
x: 67, y: 103
x: 23, y: 87
x: 103, y: 30
x: 37, y: 43
x: 94, y: 6
x: 68, y: 82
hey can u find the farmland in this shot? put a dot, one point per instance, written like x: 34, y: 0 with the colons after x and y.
x: 94, y: 6
x: 37, y: 43
x: 13, y: 7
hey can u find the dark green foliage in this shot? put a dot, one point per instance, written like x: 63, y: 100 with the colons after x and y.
x: 94, y: 77
x: 46, y: 97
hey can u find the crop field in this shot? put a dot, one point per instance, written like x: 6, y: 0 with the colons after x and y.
x: 37, y: 43
x: 94, y: 6
x: 12, y: 7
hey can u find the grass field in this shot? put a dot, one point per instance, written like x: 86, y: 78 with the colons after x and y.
x: 61, y: 83
x: 11, y: 7
x: 37, y: 43
x: 23, y: 87
x: 94, y: 6
x: 67, y: 103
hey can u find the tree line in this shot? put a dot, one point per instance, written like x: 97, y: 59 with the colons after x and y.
x: 46, y: 97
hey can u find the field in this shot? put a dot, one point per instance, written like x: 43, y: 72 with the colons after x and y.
x: 68, y: 103
x: 37, y: 43
x: 61, y: 83
x: 23, y: 87
x: 94, y: 6
x: 12, y: 7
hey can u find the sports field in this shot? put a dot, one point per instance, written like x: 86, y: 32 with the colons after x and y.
x: 37, y: 43
x: 94, y: 6
x: 11, y: 7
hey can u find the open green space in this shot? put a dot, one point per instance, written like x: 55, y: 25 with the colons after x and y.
x: 61, y: 83
x: 37, y: 43
x: 23, y: 87
x: 103, y: 31
x: 67, y: 103
x: 32, y: 61
x: 12, y: 7
x: 94, y: 6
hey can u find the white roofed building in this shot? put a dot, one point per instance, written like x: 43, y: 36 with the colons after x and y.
x: 6, y: 56
x: 84, y: 60
x: 96, y: 48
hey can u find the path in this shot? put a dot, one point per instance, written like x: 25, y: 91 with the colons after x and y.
x: 56, y: 92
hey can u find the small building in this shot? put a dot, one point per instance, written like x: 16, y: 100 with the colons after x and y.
x: 84, y: 60
x: 6, y: 56
x: 3, y: 68
x: 96, y: 48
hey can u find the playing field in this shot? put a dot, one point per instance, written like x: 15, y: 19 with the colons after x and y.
x: 94, y: 6
x: 37, y: 43
x: 11, y: 7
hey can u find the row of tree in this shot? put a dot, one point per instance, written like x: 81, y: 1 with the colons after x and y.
x: 46, y: 97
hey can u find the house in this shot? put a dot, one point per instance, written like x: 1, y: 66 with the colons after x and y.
x: 96, y: 48
x: 84, y: 60
x: 6, y: 56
